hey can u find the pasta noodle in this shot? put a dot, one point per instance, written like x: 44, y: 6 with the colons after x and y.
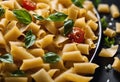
x: 47, y: 40
x: 38, y: 52
x: 31, y: 63
x: 116, y: 64
x: 89, y: 33
x: 80, y: 22
x: 109, y: 32
x: 60, y: 40
x: 91, y: 16
x: 88, y: 5
x: 6, y: 3
x: 76, y: 78
x: 84, y: 48
x: 90, y: 43
x: 72, y: 12
x: 20, y: 53
x: 72, y: 56
x: 52, y: 72
x: 3, y: 24
x: 82, y: 13
x: 10, y: 33
x: 82, y: 68
x: 70, y: 47
x: 42, y: 76
x: 109, y: 52
x: 118, y: 27
x: 103, y: 8
x: 114, y: 11
x: 93, y: 25
x: 16, y: 79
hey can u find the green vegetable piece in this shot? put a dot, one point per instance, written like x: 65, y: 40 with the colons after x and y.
x: 29, y: 39
x: 58, y: 16
x: 38, y: 17
x: 2, y: 11
x: 104, y: 22
x: 18, y: 73
x: 6, y: 58
x: 68, y: 26
x: 96, y: 2
x: 78, y: 3
x: 109, y: 41
x: 23, y: 16
x: 51, y: 57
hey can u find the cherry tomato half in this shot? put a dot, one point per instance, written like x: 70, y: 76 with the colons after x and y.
x: 28, y: 4
x: 77, y: 35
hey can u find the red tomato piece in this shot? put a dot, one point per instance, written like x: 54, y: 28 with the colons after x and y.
x: 77, y: 35
x: 28, y: 4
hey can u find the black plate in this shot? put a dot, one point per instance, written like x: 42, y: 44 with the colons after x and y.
x: 101, y: 74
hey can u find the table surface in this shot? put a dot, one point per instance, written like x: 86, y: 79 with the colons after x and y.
x: 101, y: 75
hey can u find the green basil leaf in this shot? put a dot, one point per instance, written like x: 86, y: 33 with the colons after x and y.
x: 51, y: 57
x: 38, y: 17
x: 78, y: 3
x: 6, y: 58
x: 58, y: 16
x: 68, y: 26
x: 109, y: 41
x: 18, y: 73
x: 2, y: 11
x: 29, y: 39
x: 23, y: 16
x: 104, y: 22
x: 96, y: 2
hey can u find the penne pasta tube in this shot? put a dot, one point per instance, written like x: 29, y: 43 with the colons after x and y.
x: 109, y: 32
x: 114, y: 11
x: 103, y: 8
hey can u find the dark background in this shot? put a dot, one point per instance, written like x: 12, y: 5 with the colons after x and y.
x: 101, y: 74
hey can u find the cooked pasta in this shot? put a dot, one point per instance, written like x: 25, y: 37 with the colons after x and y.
x: 16, y: 79
x: 93, y: 25
x: 118, y: 27
x: 48, y: 41
x: 114, y: 11
x: 116, y: 64
x: 82, y: 68
x: 109, y: 32
x: 80, y: 22
x: 109, y: 52
x: 42, y: 76
x: 76, y: 78
x: 103, y: 8
x: 84, y: 48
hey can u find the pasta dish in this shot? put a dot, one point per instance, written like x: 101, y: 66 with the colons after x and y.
x: 47, y: 40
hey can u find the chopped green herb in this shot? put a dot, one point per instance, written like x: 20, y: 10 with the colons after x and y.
x: 38, y: 17
x: 68, y: 26
x: 18, y: 73
x: 58, y: 16
x: 2, y: 11
x: 96, y: 2
x: 104, y: 22
x: 109, y: 41
x: 29, y: 39
x: 23, y: 16
x: 51, y: 57
x: 78, y: 3
x: 108, y: 67
x: 6, y: 58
